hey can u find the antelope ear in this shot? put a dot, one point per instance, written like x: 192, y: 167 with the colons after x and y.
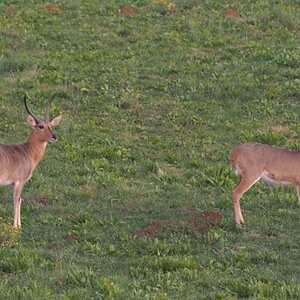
x: 31, y: 121
x: 55, y: 121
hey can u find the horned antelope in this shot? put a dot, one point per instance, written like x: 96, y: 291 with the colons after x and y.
x: 18, y: 161
x: 254, y: 162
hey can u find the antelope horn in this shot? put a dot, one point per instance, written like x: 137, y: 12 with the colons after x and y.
x: 47, y: 116
x: 29, y: 111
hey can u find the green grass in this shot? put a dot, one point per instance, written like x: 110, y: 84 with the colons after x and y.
x: 134, y: 201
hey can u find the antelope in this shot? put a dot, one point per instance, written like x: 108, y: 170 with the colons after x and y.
x: 18, y: 161
x: 254, y: 162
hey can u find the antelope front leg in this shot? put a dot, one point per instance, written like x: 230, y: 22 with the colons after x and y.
x: 246, y: 181
x: 238, y: 216
x: 17, y: 190
x: 17, y: 213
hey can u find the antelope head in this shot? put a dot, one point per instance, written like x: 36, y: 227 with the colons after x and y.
x: 42, y: 130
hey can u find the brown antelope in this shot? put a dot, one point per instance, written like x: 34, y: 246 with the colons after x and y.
x: 18, y: 161
x: 254, y: 162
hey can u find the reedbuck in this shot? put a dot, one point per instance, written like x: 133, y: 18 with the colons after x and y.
x: 253, y: 161
x: 18, y: 161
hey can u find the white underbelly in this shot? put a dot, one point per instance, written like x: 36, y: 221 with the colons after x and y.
x: 264, y: 177
x: 5, y: 182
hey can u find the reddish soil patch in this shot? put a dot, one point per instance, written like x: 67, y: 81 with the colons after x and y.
x: 150, y: 230
x: 197, y: 222
x: 126, y: 11
x: 52, y: 7
x: 72, y: 238
x: 211, y: 216
x: 8, y: 10
x: 233, y: 14
x: 202, y: 221
x: 236, y: 15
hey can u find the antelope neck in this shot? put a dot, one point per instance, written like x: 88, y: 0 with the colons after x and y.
x: 35, y: 150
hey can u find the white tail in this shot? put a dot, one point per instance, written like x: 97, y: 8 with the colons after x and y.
x: 254, y: 162
x: 18, y: 161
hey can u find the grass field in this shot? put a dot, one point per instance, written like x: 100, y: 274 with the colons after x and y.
x: 134, y: 200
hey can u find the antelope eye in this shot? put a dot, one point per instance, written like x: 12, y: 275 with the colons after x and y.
x: 41, y: 127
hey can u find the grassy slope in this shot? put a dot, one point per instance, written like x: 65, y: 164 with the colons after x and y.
x: 152, y: 103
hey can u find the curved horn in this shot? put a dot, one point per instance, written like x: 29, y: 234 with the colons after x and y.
x: 29, y: 111
x: 47, y: 116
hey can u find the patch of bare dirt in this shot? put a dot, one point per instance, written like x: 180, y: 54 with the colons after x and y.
x: 72, y: 238
x: 233, y: 14
x: 52, y: 7
x: 150, y: 230
x: 236, y: 15
x: 8, y: 9
x: 196, y: 222
x: 202, y: 221
x: 127, y: 11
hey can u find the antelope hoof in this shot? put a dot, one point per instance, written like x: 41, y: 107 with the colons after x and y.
x: 239, y: 221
